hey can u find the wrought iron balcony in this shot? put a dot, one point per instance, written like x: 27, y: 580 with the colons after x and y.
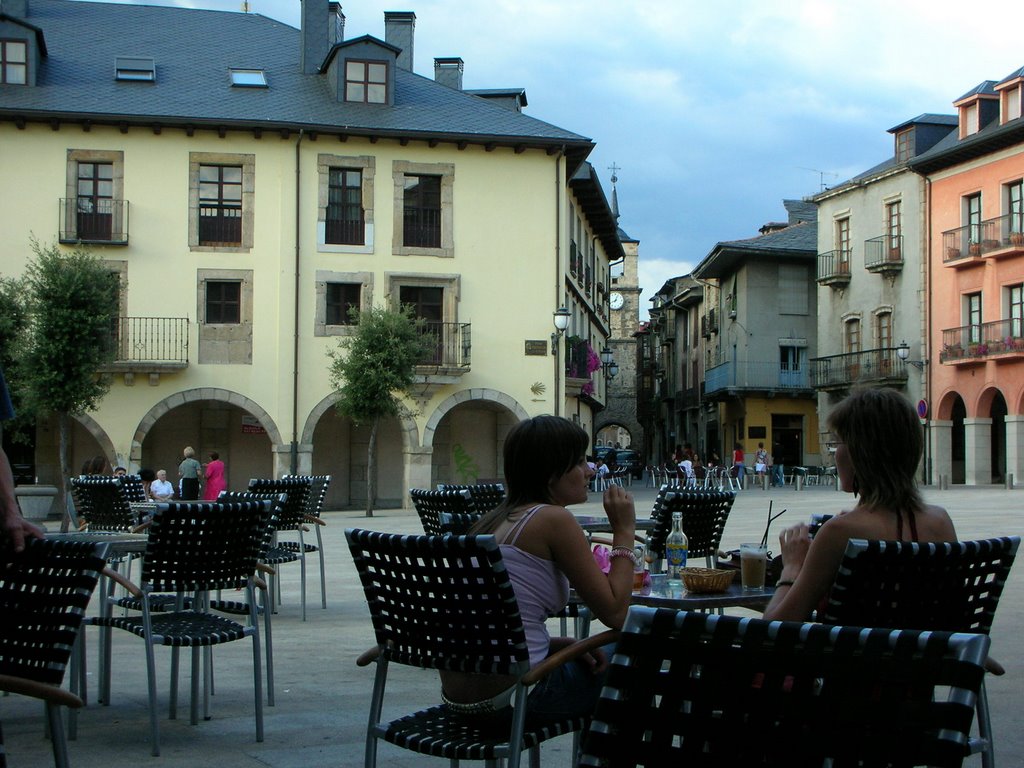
x: 759, y: 376
x: 152, y: 345
x: 450, y: 345
x: 965, y: 244
x: 973, y: 343
x: 834, y: 267
x: 884, y: 254
x: 873, y: 366
x: 93, y: 220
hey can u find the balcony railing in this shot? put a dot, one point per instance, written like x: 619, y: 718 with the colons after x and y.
x: 150, y: 340
x: 976, y: 342
x: 970, y: 241
x: 768, y: 376
x: 884, y: 254
x: 576, y: 354
x: 450, y: 344
x: 93, y: 220
x: 220, y: 225
x: 834, y: 267
x: 872, y: 366
x: 422, y: 228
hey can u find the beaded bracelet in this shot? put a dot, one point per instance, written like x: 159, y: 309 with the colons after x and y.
x: 626, y: 552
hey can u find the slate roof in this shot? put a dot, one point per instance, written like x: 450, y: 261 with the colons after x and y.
x: 799, y: 240
x: 194, y: 49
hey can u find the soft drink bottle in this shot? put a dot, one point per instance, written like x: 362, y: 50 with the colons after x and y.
x: 676, y: 550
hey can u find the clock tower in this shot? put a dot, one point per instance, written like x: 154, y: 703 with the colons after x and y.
x: 618, y: 422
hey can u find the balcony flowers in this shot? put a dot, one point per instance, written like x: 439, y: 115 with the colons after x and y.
x: 593, y: 363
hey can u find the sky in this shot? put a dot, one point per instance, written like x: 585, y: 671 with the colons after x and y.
x: 713, y: 112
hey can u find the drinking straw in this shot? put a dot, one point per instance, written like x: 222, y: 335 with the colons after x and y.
x: 771, y: 519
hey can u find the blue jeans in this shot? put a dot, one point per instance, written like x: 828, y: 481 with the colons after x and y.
x: 569, y: 691
x: 778, y: 477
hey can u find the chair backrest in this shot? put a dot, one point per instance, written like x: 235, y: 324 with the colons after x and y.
x: 134, y: 490
x: 458, y: 523
x: 485, y: 496
x: 906, y: 585
x: 278, y: 502
x: 44, y: 593
x: 318, y: 485
x: 200, y: 546
x: 431, y: 504
x: 101, y: 500
x: 704, y: 516
x: 441, y: 602
x: 297, y: 487
x: 709, y: 690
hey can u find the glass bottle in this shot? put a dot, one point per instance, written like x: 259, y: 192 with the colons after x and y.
x: 676, y: 549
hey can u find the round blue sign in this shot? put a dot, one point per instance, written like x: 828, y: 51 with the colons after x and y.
x: 922, y: 409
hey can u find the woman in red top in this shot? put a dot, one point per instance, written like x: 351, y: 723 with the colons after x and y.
x: 737, y: 462
x: 215, y: 482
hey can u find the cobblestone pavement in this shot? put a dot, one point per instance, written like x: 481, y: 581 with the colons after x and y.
x: 322, y: 696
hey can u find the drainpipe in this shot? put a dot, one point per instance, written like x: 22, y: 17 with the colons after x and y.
x: 928, y: 324
x: 558, y: 278
x: 295, y: 340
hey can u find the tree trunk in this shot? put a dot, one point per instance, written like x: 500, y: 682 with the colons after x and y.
x: 65, y: 473
x: 371, y: 468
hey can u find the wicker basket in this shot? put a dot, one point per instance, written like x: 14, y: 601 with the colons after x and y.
x: 703, y: 580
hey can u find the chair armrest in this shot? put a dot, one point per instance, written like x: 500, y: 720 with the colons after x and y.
x: 37, y: 690
x: 142, y: 527
x: 993, y: 666
x: 368, y: 656
x: 259, y: 583
x: 116, y: 577
x: 569, y: 653
x: 317, y: 520
x: 264, y: 568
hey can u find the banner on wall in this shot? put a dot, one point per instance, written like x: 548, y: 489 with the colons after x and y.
x: 251, y: 426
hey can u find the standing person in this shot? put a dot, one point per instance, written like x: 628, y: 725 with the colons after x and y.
x: 879, y: 445
x: 760, y: 464
x: 188, y: 471
x: 738, y: 462
x: 161, y: 489
x: 14, y: 528
x: 215, y: 482
x: 778, y: 469
x: 546, y: 551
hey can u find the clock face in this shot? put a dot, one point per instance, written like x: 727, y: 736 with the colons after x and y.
x: 616, y: 301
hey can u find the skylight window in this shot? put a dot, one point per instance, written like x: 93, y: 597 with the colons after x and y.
x: 134, y: 68
x: 248, y: 78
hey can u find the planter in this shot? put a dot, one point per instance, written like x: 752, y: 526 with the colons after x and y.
x: 974, y: 249
x: 1017, y: 238
x: 952, y: 253
x: 895, y: 254
x: 989, y: 245
x: 36, y: 501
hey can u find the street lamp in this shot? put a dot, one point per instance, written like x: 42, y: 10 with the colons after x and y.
x: 560, y: 317
x: 608, y: 364
x: 903, y: 353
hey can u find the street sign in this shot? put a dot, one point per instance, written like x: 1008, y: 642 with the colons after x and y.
x: 922, y: 409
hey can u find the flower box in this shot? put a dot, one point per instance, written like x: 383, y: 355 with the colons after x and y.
x: 952, y: 253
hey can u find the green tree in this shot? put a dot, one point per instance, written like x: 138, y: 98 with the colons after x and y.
x: 372, y: 370
x: 13, y: 338
x: 72, y: 303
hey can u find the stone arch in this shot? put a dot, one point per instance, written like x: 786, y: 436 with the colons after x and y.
x: 106, y: 444
x: 465, y: 396
x: 178, y: 399
x: 943, y: 410
x: 983, y: 405
x: 410, y: 433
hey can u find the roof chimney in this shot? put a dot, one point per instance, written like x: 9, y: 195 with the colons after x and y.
x: 399, y: 27
x: 322, y: 25
x: 448, y: 71
x: 16, y: 8
x: 336, y: 30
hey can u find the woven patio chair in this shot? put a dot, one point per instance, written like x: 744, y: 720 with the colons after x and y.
x: 485, y: 496
x: 704, y: 516
x: 195, y: 548
x: 318, y: 485
x: 953, y: 587
x: 291, y: 518
x: 699, y: 689
x: 431, y: 504
x: 44, y: 594
x: 446, y: 603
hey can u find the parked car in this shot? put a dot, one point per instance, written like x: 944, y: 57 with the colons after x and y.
x: 624, y: 457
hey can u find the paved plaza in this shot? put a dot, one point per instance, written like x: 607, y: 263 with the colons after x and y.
x: 322, y: 696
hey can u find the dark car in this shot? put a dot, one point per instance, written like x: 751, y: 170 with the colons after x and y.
x: 624, y: 457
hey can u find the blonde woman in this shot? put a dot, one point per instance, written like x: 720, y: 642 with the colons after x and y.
x: 189, y: 471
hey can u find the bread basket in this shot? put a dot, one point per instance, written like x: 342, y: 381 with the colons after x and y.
x: 705, y: 580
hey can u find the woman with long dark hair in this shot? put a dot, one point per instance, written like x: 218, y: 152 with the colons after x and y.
x: 878, y: 448
x: 545, y: 551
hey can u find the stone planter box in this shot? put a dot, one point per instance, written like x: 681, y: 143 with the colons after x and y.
x: 36, y: 501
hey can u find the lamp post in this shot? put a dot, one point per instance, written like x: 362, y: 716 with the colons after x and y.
x: 560, y: 317
x: 903, y: 353
x: 608, y: 365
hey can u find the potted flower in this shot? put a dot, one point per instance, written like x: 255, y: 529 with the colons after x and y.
x: 1017, y: 238
x: 952, y: 253
x: 974, y: 249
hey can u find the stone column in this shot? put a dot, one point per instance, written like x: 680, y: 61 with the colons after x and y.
x: 940, y: 449
x: 282, y: 459
x: 978, y: 451
x: 1015, y: 447
x: 418, y: 470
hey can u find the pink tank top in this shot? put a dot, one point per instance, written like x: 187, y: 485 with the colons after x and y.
x: 541, y: 589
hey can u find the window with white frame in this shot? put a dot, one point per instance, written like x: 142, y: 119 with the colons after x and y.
x: 1011, y: 103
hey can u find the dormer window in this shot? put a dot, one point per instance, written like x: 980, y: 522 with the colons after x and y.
x: 969, y: 119
x: 13, y: 62
x: 904, y: 145
x: 1011, y: 103
x: 134, y: 68
x: 248, y: 78
x: 366, y: 81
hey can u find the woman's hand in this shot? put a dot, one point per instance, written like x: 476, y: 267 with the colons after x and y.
x: 618, y: 505
x: 794, y: 543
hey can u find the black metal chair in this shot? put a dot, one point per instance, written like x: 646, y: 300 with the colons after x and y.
x: 485, y: 496
x: 134, y: 490
x: 700, y: 689
x: 446, y: 603
x: 101, y: 501
x: 704, y: 516
x: 291, y: 518
x: 430, y: 505
x: 318, y: 485
x: 193, y: 549
x: 44, y: 594
x: 953, y: 587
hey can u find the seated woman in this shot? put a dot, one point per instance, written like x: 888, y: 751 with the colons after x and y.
x: 878, y: 448
x: 545, y: 551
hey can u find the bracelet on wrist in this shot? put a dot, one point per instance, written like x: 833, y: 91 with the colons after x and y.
x: 626, y: 552
x: 784, y: 583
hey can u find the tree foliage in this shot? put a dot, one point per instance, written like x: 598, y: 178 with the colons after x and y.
x: 371, y: 371
x: 14, y: 341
